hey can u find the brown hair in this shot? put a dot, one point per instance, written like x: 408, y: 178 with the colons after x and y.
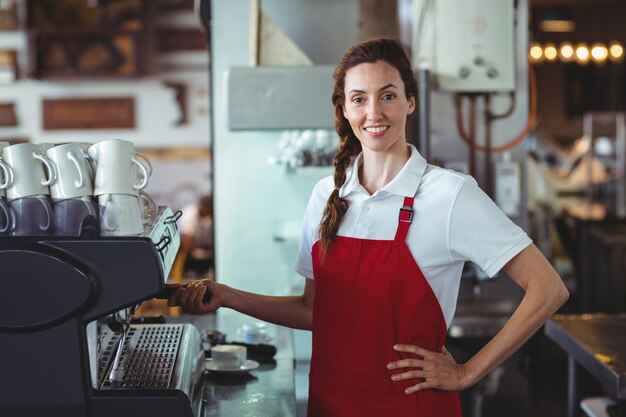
x: 371, y: 51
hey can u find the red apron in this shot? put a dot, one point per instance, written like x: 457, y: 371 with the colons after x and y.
x: 370, y: 295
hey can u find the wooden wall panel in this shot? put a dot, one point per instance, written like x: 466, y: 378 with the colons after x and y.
x: 89, y: 113
x: 7, y: 115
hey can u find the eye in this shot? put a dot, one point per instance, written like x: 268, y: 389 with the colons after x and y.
x: 388, y: 97
x: 357, y: 100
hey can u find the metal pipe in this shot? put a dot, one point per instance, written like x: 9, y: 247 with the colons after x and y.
x: 572, y: 409
x: 423, y: 101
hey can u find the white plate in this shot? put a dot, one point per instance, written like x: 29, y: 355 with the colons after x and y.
x: 246, y: 367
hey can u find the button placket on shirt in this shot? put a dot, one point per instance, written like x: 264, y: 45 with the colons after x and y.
x: 364, y: 222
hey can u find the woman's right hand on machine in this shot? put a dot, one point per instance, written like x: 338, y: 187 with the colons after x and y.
x: 197, y: 297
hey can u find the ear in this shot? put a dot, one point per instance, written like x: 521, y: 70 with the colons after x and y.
x: 411, y: 105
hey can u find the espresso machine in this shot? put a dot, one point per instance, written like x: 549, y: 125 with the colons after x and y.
x: 67, y: 343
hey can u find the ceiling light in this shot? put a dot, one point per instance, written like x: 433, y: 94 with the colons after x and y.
x: 616, y: 51
x: 535, y: 54
x: 599, y: 53
x: 582, y: 53
x: 566, y: 52
x: 550, y: 52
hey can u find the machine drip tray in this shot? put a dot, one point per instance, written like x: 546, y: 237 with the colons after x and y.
x: 147, y: 359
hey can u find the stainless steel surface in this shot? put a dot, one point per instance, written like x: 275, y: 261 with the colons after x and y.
x: 147, y: 357
x: 267, y: 391
x: 116, y: 375
x: 265, y: 98
x: 154, y: 356
x: 596, y: 342
x: 163, y: 231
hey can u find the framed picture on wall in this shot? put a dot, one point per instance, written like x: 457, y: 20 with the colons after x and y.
x: 8, y: 66
x: 8, y: 15
x: 7, y: 115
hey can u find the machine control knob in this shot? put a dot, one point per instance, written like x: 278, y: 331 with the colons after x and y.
x: 492, y: 73
x: 464, y: 72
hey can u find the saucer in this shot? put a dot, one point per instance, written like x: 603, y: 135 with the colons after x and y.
x: 247, y: 366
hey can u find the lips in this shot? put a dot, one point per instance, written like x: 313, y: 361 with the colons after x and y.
x: 376, y: 130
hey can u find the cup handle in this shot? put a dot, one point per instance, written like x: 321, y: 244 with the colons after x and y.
x: 147, y: 161
x: 52, y: 171
x: 80, y: 181
x: 9, y: 216
x: 48, y: 208
x: 144, y: 173
x: 151, y: 207
x: 8, y: 175
x: 13, y: 216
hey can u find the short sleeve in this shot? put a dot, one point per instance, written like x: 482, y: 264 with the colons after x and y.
x: 310, y: 224
x: 480, y: 232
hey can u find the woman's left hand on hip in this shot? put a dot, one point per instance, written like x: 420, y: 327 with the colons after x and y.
x: 436, y: 370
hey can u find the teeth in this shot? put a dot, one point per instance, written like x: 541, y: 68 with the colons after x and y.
x: 377, y: 129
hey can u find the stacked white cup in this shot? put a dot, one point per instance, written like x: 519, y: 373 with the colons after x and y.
x: 75, y: 212
x: 120, y: 177
x: 29, y: 193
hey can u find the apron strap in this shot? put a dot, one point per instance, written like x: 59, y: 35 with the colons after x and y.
x: 404, y: 219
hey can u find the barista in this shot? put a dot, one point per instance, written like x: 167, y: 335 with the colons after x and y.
x: 383, y: 246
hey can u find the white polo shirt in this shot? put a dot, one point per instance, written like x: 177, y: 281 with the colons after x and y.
x: 453, y: 221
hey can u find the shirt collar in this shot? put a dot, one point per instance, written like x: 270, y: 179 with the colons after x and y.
x: 404, y: 184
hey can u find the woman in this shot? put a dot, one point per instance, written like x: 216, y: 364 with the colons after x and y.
x: 383, y: 247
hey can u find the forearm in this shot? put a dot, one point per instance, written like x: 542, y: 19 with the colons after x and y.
x: 290, y: 311
x: 545, y: 293
x: 526, y: 320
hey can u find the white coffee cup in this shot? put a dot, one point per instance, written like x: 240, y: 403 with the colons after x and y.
x: 73, y: 172
x: 228, y: 356
x: 29, y: 176
x: 76, y: 217
x: 117, y: 168
x: 30, y: 216
x: 6, y: 173
x: 120, y: 214
x: 124, y: 214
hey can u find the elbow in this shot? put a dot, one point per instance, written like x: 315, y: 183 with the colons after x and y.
x: 560, y: 296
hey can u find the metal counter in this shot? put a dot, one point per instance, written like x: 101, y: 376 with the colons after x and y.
x: 267, y: 391
x: 598, y: 343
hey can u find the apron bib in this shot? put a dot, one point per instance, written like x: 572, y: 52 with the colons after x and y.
x: 370, y: 295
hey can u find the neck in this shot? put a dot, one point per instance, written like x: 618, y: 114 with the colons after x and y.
x: 380, y: 168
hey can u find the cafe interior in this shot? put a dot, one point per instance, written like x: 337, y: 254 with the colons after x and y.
x: 227, y: 102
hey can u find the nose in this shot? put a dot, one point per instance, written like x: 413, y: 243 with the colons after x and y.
x: 374, y: 111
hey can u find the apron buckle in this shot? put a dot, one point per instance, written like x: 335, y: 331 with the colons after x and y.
x: 406, y: 214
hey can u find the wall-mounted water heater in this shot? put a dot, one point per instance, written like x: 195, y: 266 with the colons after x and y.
x: 474, y: 45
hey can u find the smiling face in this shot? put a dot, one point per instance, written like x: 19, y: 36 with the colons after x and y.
x: 376, y: 106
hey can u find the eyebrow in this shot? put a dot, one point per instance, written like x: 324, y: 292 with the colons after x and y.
x: 384, y: 87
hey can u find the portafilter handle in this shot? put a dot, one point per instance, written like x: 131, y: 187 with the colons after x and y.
x: 169, y: 290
